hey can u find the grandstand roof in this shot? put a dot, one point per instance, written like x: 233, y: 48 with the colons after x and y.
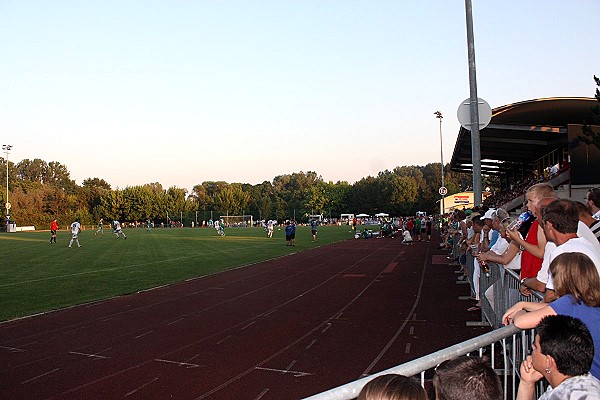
x: 521, y: 133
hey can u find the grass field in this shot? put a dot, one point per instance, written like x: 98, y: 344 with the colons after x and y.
x: 36, y: 276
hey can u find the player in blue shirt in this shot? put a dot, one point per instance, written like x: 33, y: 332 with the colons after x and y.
x: 313, y: 229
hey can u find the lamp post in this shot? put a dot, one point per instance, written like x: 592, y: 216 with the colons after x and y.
x: 6, y: 148
x: 439, y: 116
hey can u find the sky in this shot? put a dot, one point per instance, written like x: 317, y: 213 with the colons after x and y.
x: 181, y: 92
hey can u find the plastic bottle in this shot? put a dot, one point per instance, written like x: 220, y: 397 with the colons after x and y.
x: 516, y: 224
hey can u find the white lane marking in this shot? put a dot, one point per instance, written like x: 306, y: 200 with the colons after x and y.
x: 411, y: 315
x: 247, y: 326
x: 181, y: 364
x: 327, y: 326
x: 39, y: 376
x: 407, y: 348
x: 143, y: 334
x: 310, y: 344
x: 411, y: 330
x: 72, y: 330
x: 290, y: 365
x: 12, y: 349
x: 176, y: 321
x: 87, y: 355
x: 285, y: 371
x: 141, y: 387
x: 191, y: 358
x: 260, y: 396
x: 224, y: 339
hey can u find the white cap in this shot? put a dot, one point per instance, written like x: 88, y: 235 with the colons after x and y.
x: 489, y: 213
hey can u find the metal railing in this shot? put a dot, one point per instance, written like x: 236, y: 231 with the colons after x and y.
x: 512, y: 343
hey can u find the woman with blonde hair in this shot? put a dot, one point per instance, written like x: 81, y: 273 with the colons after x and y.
x: 393, y: 387
x: 577, y: 283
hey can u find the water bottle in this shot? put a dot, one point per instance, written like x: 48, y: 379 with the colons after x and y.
x: 516, y: 224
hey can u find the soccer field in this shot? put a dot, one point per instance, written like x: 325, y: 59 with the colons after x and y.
x: 36, y: 276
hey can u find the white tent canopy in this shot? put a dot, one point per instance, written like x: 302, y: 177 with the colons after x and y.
x: 378, y: 215
x: 362, y: 215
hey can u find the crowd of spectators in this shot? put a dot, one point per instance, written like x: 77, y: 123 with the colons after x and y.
x: 519, y: 188
x: 556, y: 252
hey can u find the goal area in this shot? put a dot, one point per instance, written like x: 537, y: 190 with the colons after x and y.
x: 238, y: 220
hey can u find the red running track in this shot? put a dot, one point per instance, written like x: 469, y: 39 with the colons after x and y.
x: 282, y: 329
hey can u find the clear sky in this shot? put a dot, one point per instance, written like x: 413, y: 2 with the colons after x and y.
x: 181, y: 92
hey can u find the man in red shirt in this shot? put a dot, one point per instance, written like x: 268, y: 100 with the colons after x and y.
x: 53, y: 229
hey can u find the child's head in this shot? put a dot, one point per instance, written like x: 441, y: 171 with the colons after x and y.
x: 576, y: 274
x: 392, y: 387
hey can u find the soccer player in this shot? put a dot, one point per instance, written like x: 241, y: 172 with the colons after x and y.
x: 288, y: 233
x: 75, y: 228
x: 100, y: 229
x: 313, y: 228
x: 270, y: 226
x: 117, y: 229
x: 220, y: 227
x: 293, y: 234
x: 148, y: 225
x: 53, y: 229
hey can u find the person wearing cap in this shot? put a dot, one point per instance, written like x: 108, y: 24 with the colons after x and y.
x: 503, y: 252
x: 488, y: 238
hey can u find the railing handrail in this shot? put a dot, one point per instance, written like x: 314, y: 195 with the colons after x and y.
x: 351, y: 390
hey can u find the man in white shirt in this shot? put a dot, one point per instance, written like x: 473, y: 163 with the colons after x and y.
x: 117, y: 230
x: 560, y: 220
x: 75, y: 228
x: 593, y: 202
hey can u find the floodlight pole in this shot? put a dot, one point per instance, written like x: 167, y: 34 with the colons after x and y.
x: 475, y: 140
x: 438, y: 115
x: 6, y: 148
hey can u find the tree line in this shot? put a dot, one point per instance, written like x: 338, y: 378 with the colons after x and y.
x: 40, y: 191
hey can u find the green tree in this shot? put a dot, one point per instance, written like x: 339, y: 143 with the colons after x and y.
x: 365, y: 196
x: 32, y: 170
x: 58, y: 175
x: 90, y: 194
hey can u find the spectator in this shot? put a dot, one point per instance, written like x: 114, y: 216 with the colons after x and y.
x: 535, y: 241
x: 406, y: 237
x: 466, y: 378
x: 502, y: 252
x: 487, y: 239
x: 473, y: 246
x: 578, y: 287
x: 392, y: 387
x: 538, y: 282
x: 586, y: 218
x: 465, y: 243
x: 562, y: 353
x: 592, y: 199
x: 560, y: 223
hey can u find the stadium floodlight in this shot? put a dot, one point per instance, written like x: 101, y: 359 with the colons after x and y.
x: 6, y: 148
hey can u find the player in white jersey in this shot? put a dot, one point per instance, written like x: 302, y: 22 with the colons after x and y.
x: 75, y: 228
x: 100, y: 228
x: 117, y: 229
x: 270, y: 227
x: 219, y: 227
